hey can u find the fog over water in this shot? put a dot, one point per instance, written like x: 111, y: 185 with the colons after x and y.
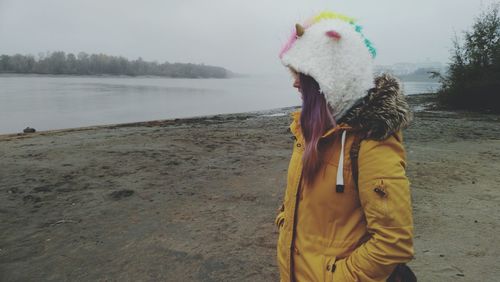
x: 243, y: 36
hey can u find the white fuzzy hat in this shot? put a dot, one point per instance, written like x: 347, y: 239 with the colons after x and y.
x: 331, y: 48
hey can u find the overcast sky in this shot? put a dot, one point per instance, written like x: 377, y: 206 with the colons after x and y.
x: 243, y: 36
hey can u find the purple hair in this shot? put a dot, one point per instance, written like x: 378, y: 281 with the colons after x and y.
x: 315, y: 119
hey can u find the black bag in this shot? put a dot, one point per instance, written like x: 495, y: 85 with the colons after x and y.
x: 402, y: 273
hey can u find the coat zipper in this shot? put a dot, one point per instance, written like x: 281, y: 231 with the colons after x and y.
x: 294, y: 228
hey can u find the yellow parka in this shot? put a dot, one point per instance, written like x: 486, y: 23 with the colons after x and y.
x: 358, y: 234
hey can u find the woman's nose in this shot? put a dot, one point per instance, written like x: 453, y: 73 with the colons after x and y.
x: 296, y: 83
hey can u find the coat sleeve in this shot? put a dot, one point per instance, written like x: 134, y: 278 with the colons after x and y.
x: 386, y: 201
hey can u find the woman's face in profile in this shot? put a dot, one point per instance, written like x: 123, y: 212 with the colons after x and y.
x: 296, y: 81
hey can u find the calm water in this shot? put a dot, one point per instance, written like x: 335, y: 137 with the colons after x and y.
x: 48, y: 102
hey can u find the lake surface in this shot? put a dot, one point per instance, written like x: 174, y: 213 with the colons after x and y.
x: 56, y: 102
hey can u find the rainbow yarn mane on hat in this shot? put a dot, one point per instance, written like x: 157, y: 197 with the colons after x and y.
x: 331, y: 48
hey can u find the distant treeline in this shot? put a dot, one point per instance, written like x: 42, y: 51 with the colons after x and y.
x: 101, y: 64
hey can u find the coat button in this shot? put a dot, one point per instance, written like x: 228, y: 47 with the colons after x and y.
x: 299, y: 145
x: 296, y: 250
x: 331, y: 267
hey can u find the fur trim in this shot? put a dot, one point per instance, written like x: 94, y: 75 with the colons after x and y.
x: 382, y: 112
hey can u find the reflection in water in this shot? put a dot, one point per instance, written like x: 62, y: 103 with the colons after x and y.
x: 55, y: 102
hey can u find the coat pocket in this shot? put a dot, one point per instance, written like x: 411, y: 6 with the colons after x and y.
x: 388, y: 202
x: 380, y: 198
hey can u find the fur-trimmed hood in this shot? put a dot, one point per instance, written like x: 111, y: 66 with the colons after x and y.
x: 382, y: 112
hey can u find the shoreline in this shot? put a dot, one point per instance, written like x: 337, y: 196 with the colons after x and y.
x: 149, y: 123
x: 195, y: 199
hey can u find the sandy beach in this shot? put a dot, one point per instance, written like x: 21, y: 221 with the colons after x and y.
x: 195, y: 199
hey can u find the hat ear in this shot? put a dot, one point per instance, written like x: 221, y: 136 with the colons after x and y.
x: 299, y: 30
x: 333, y: 34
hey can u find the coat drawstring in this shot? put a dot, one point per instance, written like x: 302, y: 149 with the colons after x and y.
x: 339, y: 188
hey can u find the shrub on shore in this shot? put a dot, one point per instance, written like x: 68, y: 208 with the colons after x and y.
x: 473, y: 78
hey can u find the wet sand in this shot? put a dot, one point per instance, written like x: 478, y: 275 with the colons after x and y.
x: 195, y: 199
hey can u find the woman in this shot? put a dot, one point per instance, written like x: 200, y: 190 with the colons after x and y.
x: 339, y: 221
